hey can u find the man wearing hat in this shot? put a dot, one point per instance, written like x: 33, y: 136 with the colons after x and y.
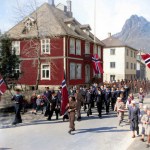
x: 18, y: 100
x: 134, y: 115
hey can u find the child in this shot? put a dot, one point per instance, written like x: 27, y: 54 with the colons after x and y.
x: 141, y: 95
x: 39, y: 103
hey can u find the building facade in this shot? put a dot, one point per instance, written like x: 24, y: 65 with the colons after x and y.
x: 61, y: 45
x: 119, y: 60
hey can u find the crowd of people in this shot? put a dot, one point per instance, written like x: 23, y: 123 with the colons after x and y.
x: 116, y: 96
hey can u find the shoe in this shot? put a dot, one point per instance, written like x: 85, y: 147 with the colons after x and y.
x: 147, y: 146
x: 73, y: 129
x: 142, y: 140
x: 14, y: 123
x: 133, y: 136
x: 69, y: 131
x: 48, y: 119
x: 88, y: 115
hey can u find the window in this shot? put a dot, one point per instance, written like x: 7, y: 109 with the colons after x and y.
x: 131, y: 66
x: 134, y: 55
x: 78, y: 71
x: 99, y: 51
x: 45, y: 72
x: 134, y: 66
x: 17, y: 69
x: 127, y: 65
x: 78, y: 47
x: 75, y: 71
x: 45, y: 46
x: 112, y: 51
x: 72, y: 46
x: 127, y: 52
x: 16, y: 47
x: 87, y: 48
x: 112, y: 64
x: 131, y: 54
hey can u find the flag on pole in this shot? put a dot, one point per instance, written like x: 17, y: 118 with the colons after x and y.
x: 3, y: 86
x: 146, y: 58
x: 64, y: 97
x: 97, y: 64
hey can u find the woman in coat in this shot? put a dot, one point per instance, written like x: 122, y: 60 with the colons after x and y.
x: 71, y: 111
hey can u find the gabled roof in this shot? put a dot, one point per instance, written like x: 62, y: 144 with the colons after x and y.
x: 115, y: 42
x: 51, y: 22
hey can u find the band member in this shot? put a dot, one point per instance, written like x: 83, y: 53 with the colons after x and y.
x: 99, y: 102
x: 18, y: 100
x: 107, y: 100
x: 89, y: 101
x: 54, y: 106
x: 113, y: 98
x: 71, y: 111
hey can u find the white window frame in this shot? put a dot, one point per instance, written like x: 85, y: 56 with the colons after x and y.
x: 72, y: 46
x: 78, y: 47
x: 95, y: 49
x: 16, y: 46
x: 47, y: 69
x: 44, y: 44
x: 87, y: 48
x: 112, y: 51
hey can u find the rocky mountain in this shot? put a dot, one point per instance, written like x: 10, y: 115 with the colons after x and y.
x: 136, y: 33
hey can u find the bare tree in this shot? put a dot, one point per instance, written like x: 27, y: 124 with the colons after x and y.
x: 32, y: 48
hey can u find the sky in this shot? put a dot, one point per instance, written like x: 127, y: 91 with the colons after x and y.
x: 110, y: 14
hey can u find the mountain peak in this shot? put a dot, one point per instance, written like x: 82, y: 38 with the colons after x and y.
x: 136, y: 32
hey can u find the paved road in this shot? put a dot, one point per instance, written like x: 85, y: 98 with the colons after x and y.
x: 91, y: 133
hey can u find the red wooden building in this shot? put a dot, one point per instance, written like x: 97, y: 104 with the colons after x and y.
x: 64, y: 45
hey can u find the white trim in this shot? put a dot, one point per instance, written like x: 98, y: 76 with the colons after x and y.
x: 45, y: 43
x: 45, y: 69
x: 16, y: 44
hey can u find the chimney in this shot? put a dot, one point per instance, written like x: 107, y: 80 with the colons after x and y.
x: 69, y: 8
x: 51, y: 2
x: 109, y: 34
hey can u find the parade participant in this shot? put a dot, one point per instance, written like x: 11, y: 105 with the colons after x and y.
x: 54, y: 106
x: 146, y: 123
x: 123, y: 93
x: 113, y: 98
x: 33, y: 103
x: 129, y: 100
x: 83, y: 93
x: 89, y: 102
x: 134, y: 113
x: 18, y: 100
x: 48, y: 97
x: 79, y: 100
x: 39, y: 103
x: 141, y: 95
x: 117, y: 93
x: 99, y: 102
x: 71, y: 91
x: 107, y: 100
x: 71, y: 110
x: 120, y: 108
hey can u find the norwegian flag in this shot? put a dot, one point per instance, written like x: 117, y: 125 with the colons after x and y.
x: 3, y: 87
x: 146, y: 58
x: 97, y: 65
x: 65, y: 99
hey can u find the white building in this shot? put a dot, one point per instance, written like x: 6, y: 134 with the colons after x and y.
x: 119, y: 60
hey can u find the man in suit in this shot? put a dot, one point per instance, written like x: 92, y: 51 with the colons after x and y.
x: 48, y: 97
x: 107, y: 100
x: 18, y: 100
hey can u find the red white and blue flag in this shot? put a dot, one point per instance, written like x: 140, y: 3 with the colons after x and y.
x: 97, y: 65
x: 3, y: 86
x: 146, y: 58
x: 65, y: 99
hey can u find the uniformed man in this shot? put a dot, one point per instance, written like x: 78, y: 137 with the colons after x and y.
x: 107, y: 100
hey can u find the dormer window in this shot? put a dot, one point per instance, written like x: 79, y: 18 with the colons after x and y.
x: 70, y: 22
x: 28, y: 24
x: 86, y: 28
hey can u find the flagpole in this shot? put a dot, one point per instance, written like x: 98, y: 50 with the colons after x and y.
x: 94, y: 22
